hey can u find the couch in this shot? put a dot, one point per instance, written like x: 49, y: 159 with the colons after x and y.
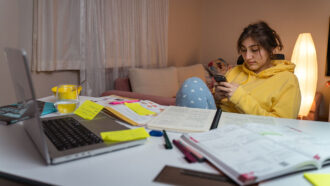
x: 161, y: 85
x: 158, y: 85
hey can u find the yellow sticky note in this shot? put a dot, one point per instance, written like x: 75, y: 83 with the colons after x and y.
x: 125, y: 135
x: 88, y: 110
x: 318, y: 179
x: 136, y: 107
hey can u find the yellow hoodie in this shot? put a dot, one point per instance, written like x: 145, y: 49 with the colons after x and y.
x: 272, y: 92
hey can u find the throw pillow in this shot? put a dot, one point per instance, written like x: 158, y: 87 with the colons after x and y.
x: 191, y: 71
x: 158, y: 82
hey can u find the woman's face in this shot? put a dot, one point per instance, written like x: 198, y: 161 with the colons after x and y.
x: 255, y: 56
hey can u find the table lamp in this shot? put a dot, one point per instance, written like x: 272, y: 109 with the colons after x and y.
x: 304, y: 56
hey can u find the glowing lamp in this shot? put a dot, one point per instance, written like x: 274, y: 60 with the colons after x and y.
x: 304, y: 56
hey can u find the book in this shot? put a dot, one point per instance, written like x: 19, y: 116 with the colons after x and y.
x: 184, y: 119
x: 252, y: 152
x: 124, y: 113
x: 171, y: 118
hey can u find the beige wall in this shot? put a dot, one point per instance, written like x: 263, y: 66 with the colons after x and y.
x: 184, y: 32
x: 223, y: 21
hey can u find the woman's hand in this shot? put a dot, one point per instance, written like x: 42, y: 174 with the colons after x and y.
x: 224, y: 90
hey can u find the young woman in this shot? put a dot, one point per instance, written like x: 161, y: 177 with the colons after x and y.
x: 260, y: 86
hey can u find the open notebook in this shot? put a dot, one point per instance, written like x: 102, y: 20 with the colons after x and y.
x: 251, y: 153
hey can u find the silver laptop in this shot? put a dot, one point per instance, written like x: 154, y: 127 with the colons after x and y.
x: 50, y: 134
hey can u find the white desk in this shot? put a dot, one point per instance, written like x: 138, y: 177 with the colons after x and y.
x: 134, y: 166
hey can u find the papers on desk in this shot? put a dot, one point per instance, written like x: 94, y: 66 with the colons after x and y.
x: 122, y: 112
x: 183, y: 119
x: 252, y: 152
x: 172, y: 118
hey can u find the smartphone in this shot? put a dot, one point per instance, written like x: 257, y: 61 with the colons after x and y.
x: 220, y: 78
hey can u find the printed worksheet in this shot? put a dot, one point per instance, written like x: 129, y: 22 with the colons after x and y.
x: 247, y: 152
x: 292, y: 137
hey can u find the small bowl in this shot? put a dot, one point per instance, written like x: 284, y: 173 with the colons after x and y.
x: 65, y: 92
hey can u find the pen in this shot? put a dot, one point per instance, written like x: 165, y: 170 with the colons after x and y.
x: 216, y: 119
x: 168, y: 144
x: 187, y: 155
x: 121, y: 102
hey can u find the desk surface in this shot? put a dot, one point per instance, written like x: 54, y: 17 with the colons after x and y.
x: 133, y: 166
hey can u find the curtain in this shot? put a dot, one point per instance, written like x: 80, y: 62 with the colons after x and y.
x: 101, y: 38
x: 56, y: 42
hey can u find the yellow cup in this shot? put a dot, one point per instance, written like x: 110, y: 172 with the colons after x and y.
x: 65, y: 91
x: 67, y: 98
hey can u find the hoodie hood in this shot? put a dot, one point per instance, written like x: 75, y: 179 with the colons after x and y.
x: 278, y: 66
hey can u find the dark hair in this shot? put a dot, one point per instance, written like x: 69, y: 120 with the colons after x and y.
x: 261, y: 33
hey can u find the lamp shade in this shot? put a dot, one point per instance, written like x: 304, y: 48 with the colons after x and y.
x: 304, y: 56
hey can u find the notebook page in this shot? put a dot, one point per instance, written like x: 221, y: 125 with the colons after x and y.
x: 246, y: 152
x: 184, y: 119
x: 314, y: 147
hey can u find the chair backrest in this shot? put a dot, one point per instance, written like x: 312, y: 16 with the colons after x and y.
x: 240, y: 59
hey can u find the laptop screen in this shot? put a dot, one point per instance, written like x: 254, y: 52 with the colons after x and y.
x: 25, y: 95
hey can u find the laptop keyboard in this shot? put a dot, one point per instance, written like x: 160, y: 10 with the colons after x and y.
x: 68, y: 133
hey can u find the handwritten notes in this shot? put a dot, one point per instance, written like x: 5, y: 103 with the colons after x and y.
x: 318, y: 179
x: 136, y: 107
x: 125, y: 135
x: 88, y: 110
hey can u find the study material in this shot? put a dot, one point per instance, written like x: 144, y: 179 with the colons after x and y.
x: 124, y: 101
x: 136, y: 107
x: 122, y: 112
x: 168, y: 144
x: 184, y: 119
x: 88, y: 110
x: 248, y: 156
x: 180, y: 176
x: 318, y: 179
x: 125, y: 135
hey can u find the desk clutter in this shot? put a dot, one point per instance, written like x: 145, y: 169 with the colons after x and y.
x: 244, y: 152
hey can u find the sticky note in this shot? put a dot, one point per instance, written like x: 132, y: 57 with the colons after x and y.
x: 88, y: 110
x: 48, y: 108
x: 136, y: 107
x: 318, y: 179
x: 125, y: 135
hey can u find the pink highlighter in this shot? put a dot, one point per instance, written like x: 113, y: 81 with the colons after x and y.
x: 121, y: 102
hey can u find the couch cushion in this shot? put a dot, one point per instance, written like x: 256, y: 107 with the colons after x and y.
x: 191, y: 71
x: 158, y: 82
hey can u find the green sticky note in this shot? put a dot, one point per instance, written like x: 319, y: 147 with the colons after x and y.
x: 318, y: 179
x: 125, y: 135
x: 88, y: 110
x: 136, y: 107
